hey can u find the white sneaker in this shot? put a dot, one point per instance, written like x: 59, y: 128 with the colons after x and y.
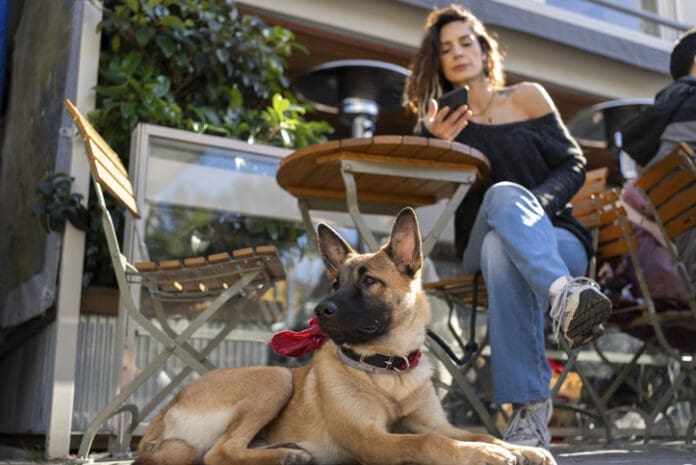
x: 578, y: 310
x: 529, y: 425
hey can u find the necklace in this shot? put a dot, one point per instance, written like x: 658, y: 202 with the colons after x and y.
x: 486, y: 108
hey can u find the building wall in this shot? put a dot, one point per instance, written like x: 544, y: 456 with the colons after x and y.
x: 400, y: 24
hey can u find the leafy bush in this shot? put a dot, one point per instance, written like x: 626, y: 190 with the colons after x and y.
x: 197, y: 65
x: 56, y: 204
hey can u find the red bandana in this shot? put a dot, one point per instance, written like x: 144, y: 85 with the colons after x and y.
x: 296, y: 344
x: 413, y: 359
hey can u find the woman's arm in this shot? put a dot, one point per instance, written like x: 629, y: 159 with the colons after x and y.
x: 561, y: 152
x: 442, y: 123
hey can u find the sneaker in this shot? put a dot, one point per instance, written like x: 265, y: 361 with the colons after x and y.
x: 578, y: 310
x: 529, y: 425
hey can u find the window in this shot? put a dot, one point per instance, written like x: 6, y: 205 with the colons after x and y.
x: 616, y: 12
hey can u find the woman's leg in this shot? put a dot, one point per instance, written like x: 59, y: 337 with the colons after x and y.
x: 526, y: 234
x: 528, y: 237
x: 520, y: 255
x: 519, y: 368
x: 516, y: 321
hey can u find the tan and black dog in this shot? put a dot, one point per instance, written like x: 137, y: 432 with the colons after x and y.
x: 365, y: 397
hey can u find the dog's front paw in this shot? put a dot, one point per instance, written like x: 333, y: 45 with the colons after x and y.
x: 490, y: 454
x: 297, y: 457
x: 532, y: 455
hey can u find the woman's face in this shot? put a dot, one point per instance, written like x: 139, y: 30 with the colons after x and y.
x: 461, y: 57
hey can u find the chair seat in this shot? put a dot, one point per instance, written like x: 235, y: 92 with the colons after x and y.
x: 460, y: 288
x: 678, y: 327
x: 201, y: 277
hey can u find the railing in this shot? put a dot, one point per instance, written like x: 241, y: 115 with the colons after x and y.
x: 644, y: 15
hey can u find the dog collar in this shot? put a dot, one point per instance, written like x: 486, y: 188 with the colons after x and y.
x: 379, y: 363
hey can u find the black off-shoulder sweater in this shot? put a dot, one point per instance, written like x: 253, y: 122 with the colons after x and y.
x: 539, y: 154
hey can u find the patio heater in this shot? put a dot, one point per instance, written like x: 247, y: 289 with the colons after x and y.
x: 357, y: 90
x: 598, y: 127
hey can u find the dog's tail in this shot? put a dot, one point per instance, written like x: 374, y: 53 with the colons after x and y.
x: 155, y: 450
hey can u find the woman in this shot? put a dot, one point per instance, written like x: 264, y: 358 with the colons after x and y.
x: 519, y: 231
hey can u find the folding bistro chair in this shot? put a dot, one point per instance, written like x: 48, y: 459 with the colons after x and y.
x: 670, y: 331
x: 669, y: 189
x: 209, y: 281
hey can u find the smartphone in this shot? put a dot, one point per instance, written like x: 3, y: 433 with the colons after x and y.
x: 454, y: 98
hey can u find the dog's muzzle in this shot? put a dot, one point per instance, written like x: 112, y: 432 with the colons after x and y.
x: 345, y: 326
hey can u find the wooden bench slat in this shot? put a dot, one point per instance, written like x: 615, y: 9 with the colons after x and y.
x: 678, y: 203
x: 106, y: 179
x: 669, y: 186
x: 681, y: 223
x: 145, y: 267
x: 659, y: 171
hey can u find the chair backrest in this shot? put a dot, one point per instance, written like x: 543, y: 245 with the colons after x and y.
x: 673, y: 329
x: 586, y: 201
x: 615, y: 232
x: 105, y: 164
x: 587, y: 204
x: 670, y: 187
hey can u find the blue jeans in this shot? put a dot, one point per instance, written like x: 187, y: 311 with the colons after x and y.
x: 520, y: 253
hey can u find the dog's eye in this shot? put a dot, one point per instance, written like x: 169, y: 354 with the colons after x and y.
x: 334, y: 285
x: 369, y: 281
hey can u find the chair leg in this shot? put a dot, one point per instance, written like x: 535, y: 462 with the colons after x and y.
x: 599, y: 404
x: 466, y: 389
x: 162, y: 318
x: 664, y: 401
x: 124, y: 445
x: 113, y: 407
x: 623, y: 374
x: 690, y: 431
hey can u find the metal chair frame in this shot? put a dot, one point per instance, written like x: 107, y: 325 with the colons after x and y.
x: 615, y: 239
x: 247, y: 273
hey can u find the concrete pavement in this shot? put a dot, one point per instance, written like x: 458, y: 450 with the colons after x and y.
x: 619, y: 453
x: 654, y: 453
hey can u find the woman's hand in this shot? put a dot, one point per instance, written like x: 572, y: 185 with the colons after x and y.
x: 445, y: 124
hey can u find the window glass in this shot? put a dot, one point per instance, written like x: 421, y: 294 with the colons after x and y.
x: 610, y: 15
x: 203, y: 200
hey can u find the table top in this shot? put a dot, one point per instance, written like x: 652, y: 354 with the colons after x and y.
x: 314, y: 172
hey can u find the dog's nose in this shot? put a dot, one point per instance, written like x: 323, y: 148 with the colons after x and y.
x: 327, y: 309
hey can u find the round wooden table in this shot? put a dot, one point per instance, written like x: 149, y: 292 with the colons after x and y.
x: 382, y: 174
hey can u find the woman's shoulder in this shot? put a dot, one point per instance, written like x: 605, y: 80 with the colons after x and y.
x: 531, y: 98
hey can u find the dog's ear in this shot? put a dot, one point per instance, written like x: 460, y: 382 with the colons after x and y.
x: 405, y: 247
x: 333, y: 249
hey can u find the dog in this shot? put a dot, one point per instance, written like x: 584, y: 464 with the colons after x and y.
x: 365, y: 397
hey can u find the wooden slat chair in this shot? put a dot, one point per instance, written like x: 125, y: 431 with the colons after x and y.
x: 209, y: 281
x: 669, y: 189
x: 653, y: 326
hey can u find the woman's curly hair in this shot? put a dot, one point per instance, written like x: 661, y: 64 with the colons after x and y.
x: 426, y: 80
